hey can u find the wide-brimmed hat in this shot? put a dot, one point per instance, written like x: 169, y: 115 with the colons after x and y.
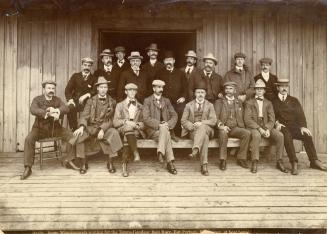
x: 211, y: 57
x: 260, y: 84
x: 152, y: 46
x: 130, y: 86
x: 48, y: 82
x: 191, y: 53
x: 282, y: 82
x: 266, y: 60
x: 158, y: 83
x: 230, y: 83
x: 239, y: 55
x: 119, y: 49
x: 106, y: 52
x: 87, y: 60
x: 135, y: 55
x: 101, y: 80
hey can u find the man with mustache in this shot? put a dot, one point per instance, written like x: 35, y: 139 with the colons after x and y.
x: 291, y: 121
x: 198, y: 121
x: 207, y: 77
x: 160, y: 118
x: 241, y: 75
x: 121, y: 64
x: 153, y: 66
x: 47, y: 109
x: 175, y: 88
x: 78, y: 90
x: 267, y: 77
x: 134, y: 75
x: 190, y: 67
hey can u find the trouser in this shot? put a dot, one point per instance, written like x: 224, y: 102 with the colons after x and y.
x: 276, y: 136
x: 130, y: 136
x: 162, y: 136
x: 295, y: 133
x: 241, y: 133
x: 179, y: 108
x: 35, y: 134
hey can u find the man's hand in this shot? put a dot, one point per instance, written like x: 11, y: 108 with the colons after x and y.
x: 197, y: 124
x: 267, y: 133
x: 305, y: 131
x: 262, y: 131
x: 71, y: 102
x: 180, y: 100
x: 279, y: 126
x: 79, y: 131
x: 242, y: 97
x: 225, y: 128
x: 131, y: 123
x: 100, y: 134
x: 83, y: 98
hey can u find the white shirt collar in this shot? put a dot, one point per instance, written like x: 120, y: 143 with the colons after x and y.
x: 121, y: 62
x: 189, y: 68
x: 153, y: 61
x: 281, y: 96
x: 105, y: 96
x: 107, y: 67
x: 230, y: 98
x: 265, y: 75
x: 209, y: 73
x: 48, y: 99
x: 156, y: 96
x: 198, y: 102
x: 239, y: 68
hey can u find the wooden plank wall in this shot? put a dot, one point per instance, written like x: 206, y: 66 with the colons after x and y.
x: 49, y: 46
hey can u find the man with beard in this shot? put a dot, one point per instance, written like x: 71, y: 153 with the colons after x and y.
x: 153, y: 66
x: 207, y: 77
x: 134, y: 75
x: 78, y: 90
x: 267, y: 77
x: 198, y: 120
x: 190, y: 67
x: 160, y: 118
x: 175, y: 88
x: 48, y: 109
x: 121, y: 64
x: 241, y: 75
x: 291, y: 121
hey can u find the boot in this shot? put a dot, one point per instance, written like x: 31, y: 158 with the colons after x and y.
x: 111, y: 167
x: 294, y: 168
x: 280, y: 166
x: 317, y: 164
x: 204, y: 170
x: 254, y: 167
x: 222, y: 164
x: 27, y: 172
x: 125, y: 170
x: 194, y: 154
x: 171, y: 168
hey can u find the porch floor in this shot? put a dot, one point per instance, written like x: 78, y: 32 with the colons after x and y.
x: 60, y: 199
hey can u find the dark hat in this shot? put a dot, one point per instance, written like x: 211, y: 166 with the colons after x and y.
x: 266, y: 60
x: 282, y: 82
x: 230, y: 83
x: 211, y: 57
x: 239, y: 55
x: 120, y: 49
x: 106, y: 52
x: 48, y: 82
x: 200, y: 86
x: 87, y: 60
x: 191, y: 53
x: 158, y: 83
x: 101, y: 80
x: 260, y: 84
x: 130, y: 86
x: 135, y: 55
x: 169, y: 54
x: 152, y: 46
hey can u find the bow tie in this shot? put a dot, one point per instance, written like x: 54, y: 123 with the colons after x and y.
x: 132, y: 102
x: 102, y: 99
x: 120, y: 62
x: 259, y: 99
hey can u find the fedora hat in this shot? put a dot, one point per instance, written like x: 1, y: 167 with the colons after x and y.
x: 101, y: 80
x: 119, y: 49
x: 211, y: 57
x: 106, y: 52
x: 135, y: 55
x: 152, y: 46
x: 282, y: 82
x: 191, y: 53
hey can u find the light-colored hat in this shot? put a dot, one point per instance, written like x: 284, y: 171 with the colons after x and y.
x: 101, y: 80
x: 191, y: 53
x: 239, y: 55
x: 130, y: 86
x: 48, y: 82
x: 87, y: 60
x: 260, y: 84
x: 106, y: 52
x: 282, y: 82
x: 230, y: 83
x: 266, y: 60
x: 152, y: 46
x: 120, y: 49
x: 158, y: 83
x: 135, y: 55
x: 211, y: 57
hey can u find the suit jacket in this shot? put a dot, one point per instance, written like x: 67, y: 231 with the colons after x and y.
x: 208, y: 117
x: 112, y: 76
x: 221, y: 108
x: 199, y: 79
x: 122, y: 114
x: 271, y: 90
x: 195, y: 69
x: 251, y: 114
x: 152, y: 71
x: 176, y: 84
x: 152, y: 111
x: 119, y: 69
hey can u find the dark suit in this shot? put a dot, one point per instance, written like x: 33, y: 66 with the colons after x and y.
x: 112, y: 76
x: 152, y: 71
x: 290, y: 113
x: 271, y: 90
x: 188, y: 75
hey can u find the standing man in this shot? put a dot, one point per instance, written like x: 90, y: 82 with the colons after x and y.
x: 291, y: 121
x: 190, y: 67
x: 230, y: 112
x: 153, y: 66
x: 78, y: 90
x: 175, y: 88
x: 198, y: 121
x: 134, y: 75
x: 121, y: 64
x: 96, y: 126
x: 241, y: 75
x: 129, y: 121
x: 267, y: 77
x: 159, y: 119
x: 259, y: 118
x: 207, y: 77
x: 47, y: 109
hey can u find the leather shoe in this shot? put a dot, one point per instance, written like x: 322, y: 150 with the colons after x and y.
x: 71, y: 165
x: 242, y: 163
x: 222, y: 164
x: 254, y: 167
x: 111, y: 167
x: 136, y: 156
x: 194, y: 154
x: 280, y: 166
x: 204, y: 170
x: 317, y: 164
x: 125, y: 170
x: 83, y: 169
x: 160, y: 157
x: 171, y: 168
x: 294, y: 168
x: 27, y: 172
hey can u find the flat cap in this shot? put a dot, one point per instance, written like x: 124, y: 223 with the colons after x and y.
x: 282, y: 82
x: 119, y: 49
x: 130, y: 86
x: 230, y: 83
x: 239, y: 55
x: 260, y: 84
x: 266, y: 60
x: 48, y: 82
x: 158, y: 83
x: 87, y: 60
x: 211, y: 57
x: 106, y: 52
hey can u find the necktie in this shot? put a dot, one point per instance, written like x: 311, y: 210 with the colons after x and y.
x: 283, y: 98
x: 158, y: 101
x: 199, y: 106
x: 136, y: 72
x: 208, y: 75
x: 132, y: 102
x: 85, y: 77
x: 259, y: 99
x: 188, y: 71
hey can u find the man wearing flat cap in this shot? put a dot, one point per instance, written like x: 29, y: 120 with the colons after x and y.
x: 230, y: 113
x: 175, y: 88
x: 207, y: 77
x: 259, y: 118
x: 128, y: 120
x: 291, y: 121
x: 121, y: 64
x: 134, y: 75
x: 79, y: 88
x: 95, y: 127
x: 190, y: 67
x: 160, y: 118
x: 241, y: 75
x: 198, y: 121
x: 267, y: 77
x: 47, y: 109
x: 153, y: 66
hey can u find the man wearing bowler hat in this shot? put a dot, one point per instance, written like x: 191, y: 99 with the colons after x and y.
x: 121, y: 64
x: 291, y: 121
x: 207, y: 77
x: 160, y: 118
x: 134, y: 75
x: 47, y: 109
x: 241, y: 75
x: 153, y: 66
x: 190, y: 67
x: 79, y: 88
x: 198, y: 121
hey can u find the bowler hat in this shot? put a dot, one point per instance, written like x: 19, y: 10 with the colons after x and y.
x: 211, y: 57
x: 200, y: 86
x: 282, y: 82
x: 120, y: 49
x: 48, y: 82
x: 152, y: 46
x: 135, y: 55
x: 239, y: 55
x: 87, y: 60
x: 169, y: 54
x: 260, y: 84
x: 130, y: 86
x: 266, y: 60
x: 101, y: 80
x: 191, y: 53
x: 158, y: 83
x: 106, y: 52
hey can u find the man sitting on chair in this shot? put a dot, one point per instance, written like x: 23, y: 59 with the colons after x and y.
x: 48, y: 109
x: 129, y: 121
x: 96, y: 126
x: 198, y: 121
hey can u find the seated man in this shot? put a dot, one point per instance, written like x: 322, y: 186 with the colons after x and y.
x: 129, y: 121
x: 95, y: 125
x: 159, y: 119
x: 198, y: 121
x: 229, y: 111
x: 291, y: 121
x: 47, y: 109
x: 259, y: 117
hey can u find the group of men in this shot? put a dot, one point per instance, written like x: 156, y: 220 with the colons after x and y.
x: 122, y: 102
